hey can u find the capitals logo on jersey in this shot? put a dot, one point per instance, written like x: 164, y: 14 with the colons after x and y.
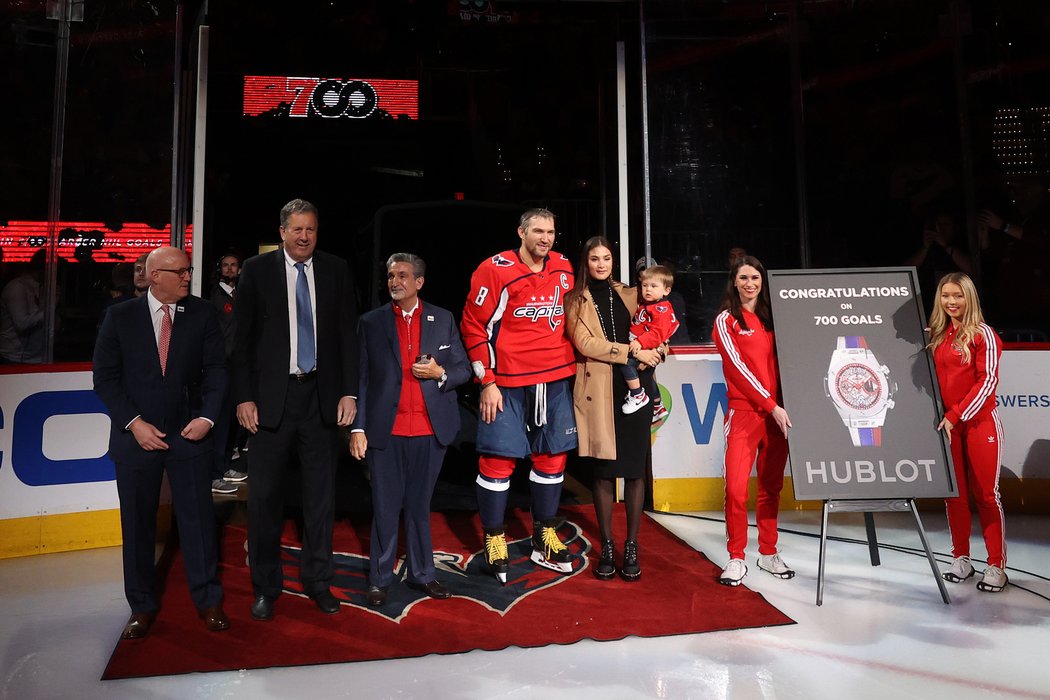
x: 550, y: 308
x: 500, y: 261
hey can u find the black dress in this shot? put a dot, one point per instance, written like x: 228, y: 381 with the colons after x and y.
x: 633, y: 442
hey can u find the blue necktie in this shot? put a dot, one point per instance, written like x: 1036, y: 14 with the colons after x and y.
x: 304, y: 322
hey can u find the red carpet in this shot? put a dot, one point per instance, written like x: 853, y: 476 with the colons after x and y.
x: 677, y: 594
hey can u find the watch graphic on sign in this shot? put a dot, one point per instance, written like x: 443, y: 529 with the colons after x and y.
x: 860, y: 388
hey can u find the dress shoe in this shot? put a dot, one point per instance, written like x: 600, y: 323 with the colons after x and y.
x: 376, y: 596
x: 138, y: 625
x: 214, y: 618
x: 432, y: 588
x: 262, y: 608
x: 325, y: 602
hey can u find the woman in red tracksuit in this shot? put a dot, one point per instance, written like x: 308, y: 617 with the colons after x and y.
x: 755, y: 425
x: 966, y: 354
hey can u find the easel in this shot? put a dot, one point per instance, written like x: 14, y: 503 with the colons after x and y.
x: 868, y: 507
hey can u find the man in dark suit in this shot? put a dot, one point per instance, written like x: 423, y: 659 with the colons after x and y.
x: 228, y: 433
x: 411, y: 360
x: 294, y: 381
x: 159, y: 367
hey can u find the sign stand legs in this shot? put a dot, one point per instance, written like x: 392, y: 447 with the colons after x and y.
x: 868, y: 507
x: 873, y: 541
x: 929, y: 554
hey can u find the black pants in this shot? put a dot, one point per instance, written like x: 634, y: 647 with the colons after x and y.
x: 301, y: 429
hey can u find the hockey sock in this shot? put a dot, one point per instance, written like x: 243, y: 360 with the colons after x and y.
x: 548, y: 472
x: 492, y: 507
x: 493, y: 489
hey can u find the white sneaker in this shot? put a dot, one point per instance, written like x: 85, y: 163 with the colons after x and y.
x: 659, y: 413
x: 234, y: 475
x: 773, y: 564
x: 734, y: 573
x: 960, y: 570
x: 633, y: 403
x: 993, y: 581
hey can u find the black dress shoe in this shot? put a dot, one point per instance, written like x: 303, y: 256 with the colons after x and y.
x: 138, y: 625
x: 262, y: 608
x: 432, y: 588
x: 376, y: 596
x: 215, y: 619
x: 325, y: 602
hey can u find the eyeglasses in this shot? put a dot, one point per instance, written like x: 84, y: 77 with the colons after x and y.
x: 181, y: 272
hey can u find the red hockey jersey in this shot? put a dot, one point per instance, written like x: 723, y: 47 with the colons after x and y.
x: 514, y: 321
x: 968, y: 391
x: 654, y: 323
x: 748, y: 361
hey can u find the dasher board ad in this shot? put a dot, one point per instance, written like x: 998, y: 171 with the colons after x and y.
x: 859, y: 385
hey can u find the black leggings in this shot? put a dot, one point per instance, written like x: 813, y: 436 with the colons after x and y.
x: 604, y: 494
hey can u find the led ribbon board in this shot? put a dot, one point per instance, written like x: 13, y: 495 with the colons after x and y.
x: 330, y: 98
x: 20, y: 239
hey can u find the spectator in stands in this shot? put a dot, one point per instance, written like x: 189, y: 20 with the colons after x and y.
x: 940, y: 253
x: 229, y: 434
x: 22, y: 314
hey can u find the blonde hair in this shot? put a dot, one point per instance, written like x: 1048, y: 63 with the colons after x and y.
x: 660, y: 273
x: 969, y: 324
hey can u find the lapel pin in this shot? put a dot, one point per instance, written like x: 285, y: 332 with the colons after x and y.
x: 179, y: 309
x: 430, y: 318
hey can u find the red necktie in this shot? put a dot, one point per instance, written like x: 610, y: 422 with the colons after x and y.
x: 165, y: 338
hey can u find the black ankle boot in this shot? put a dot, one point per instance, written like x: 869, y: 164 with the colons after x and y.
x: 606, y: 568
x: 630, y: 571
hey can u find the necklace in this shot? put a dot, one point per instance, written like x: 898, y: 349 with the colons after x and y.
x: 612, y: 316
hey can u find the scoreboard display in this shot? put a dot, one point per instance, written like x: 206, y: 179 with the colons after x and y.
x: 79, y: 239
x: 330, y: 98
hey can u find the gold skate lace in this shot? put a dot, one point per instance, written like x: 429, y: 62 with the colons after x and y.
x: 551, y: 543
x: 496, y: 547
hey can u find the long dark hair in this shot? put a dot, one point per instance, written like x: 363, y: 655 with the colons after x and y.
x: 731, y: 299
x: 583, y: 276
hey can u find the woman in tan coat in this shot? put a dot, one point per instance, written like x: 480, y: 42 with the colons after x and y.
x: 598, y: 315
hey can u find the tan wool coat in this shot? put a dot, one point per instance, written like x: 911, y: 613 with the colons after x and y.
x: 595, y: 357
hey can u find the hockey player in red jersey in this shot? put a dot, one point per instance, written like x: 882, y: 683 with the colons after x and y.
x: 514, y: 330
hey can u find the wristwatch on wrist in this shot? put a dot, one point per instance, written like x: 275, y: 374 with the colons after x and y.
x: 443, y: 378
x: 860, y: 389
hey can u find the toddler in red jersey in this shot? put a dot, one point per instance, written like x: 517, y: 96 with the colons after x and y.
x: 653, y: 324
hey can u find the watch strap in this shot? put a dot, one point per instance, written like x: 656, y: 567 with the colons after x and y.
x: 866, y: 437
x: 850, y: 342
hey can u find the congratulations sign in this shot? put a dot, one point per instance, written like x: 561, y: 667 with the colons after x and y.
x: 859, y: 385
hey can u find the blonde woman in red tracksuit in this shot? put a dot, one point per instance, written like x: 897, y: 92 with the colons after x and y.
x: 966, y: 354
x: 755, y: 425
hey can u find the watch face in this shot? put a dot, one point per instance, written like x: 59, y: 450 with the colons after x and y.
x: 858, y: 386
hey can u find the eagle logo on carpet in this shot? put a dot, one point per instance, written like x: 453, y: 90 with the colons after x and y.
x: 466, y: 578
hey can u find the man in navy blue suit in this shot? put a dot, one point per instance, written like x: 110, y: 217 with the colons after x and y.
x: 411, y: 361
x: 159, y: 367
